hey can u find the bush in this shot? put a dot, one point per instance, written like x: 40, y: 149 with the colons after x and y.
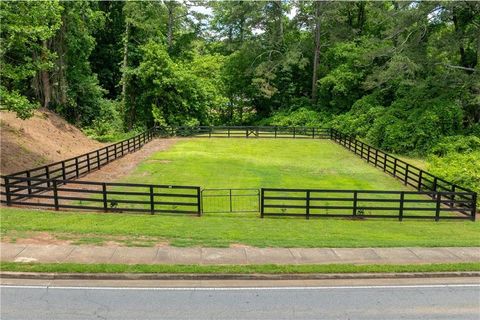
x: 297, y: 118
x: 460, y: 168
x: 108, y: 125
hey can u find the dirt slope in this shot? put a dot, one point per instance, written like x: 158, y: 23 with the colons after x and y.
x: 42, y: 139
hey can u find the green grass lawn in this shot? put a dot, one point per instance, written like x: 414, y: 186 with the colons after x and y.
x: 247, y: 229
x: 249, y: 163
x: 268, y: 163
x: 234, y: 269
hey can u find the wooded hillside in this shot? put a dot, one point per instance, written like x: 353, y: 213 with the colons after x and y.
x: 403, y: 75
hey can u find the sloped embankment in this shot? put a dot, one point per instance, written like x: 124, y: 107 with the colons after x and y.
x: 44, y: 138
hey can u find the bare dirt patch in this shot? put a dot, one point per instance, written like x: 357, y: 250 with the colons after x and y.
x: 45, y: 238
x: 120, y: 168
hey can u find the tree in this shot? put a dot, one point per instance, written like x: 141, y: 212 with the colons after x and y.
x: 24, y: 54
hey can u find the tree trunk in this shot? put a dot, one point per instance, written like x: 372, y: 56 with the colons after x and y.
x: 316, y: 53
x: 170, y: 9
x: 45, y: 77
x: 279, y: 18
x: 124, y: 71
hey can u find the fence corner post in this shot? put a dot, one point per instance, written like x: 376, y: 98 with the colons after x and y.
x: 474, y: 206
x: 437, y: 208
x: 400, y: 211
x: 55, y: 194
x: 355, y: 197
x: 307, y: 213
x: 152, y: 202
x: 262, y: 202
x: 7, y: 191
x: 199, y: 202
x: 104, y: 192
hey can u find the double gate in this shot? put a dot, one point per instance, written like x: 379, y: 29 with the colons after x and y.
x: 230, y: 200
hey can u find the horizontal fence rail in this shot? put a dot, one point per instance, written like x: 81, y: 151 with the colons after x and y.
x: 72, y: 168
x: 410, y: 175
x: 107, y: 197
x: 366, y: 203
x: 247, y: 132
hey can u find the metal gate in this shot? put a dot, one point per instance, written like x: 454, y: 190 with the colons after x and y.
x: 230, y: 200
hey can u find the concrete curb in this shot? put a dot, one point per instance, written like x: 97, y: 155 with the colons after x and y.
x: 226, y: 276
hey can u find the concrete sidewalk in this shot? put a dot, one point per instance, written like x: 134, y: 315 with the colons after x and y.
x: 212, y: 256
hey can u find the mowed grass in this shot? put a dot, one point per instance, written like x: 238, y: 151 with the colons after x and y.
x: 273, y: 163
x: 255, y: 163
x: 233, y: 269
x: 249, y: 163
x: 223, y: 231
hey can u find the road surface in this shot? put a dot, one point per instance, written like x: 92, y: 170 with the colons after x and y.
x: 305, y: 300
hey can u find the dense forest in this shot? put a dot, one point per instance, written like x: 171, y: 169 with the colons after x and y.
x: 402, y: 75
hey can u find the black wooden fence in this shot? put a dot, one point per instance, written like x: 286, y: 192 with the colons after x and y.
x: 246, y: 132
x: 367, y: 203
x: 435, y: 197
x: 107, y: 197
x: 72, y: 168
x: 410, y: 175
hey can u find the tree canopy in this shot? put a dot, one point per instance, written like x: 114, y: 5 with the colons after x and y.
x: 401, y: 74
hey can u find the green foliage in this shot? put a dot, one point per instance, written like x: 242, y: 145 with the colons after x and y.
x: 25, y: 26
x: 108, y: 124
x: 299, y: 117
x: 460, y: 168
x: 176, y: 95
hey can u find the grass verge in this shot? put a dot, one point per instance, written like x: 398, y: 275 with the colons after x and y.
x: 224, y: 230
x: 234, y: 269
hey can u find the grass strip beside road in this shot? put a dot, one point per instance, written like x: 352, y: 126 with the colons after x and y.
x: 235, y: 269
x: 224, y: 230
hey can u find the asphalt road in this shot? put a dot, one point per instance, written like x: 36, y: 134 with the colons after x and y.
x: 402, y: 301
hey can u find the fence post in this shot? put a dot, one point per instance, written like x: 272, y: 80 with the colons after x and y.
x: 331, y: 133
x: 394, y: 167
x: 152, y: 203
x: 437, y: 208
x: 355, y: 197
x: 307, y: 216
x: 199, y: 202
x: 88, y: 162
x: 262, y: 203
x: 228, y: 132
x: 115, y: 150
x: 47, y: 176
x: 64, y: 176
x: 400, y: 212
x: 361, y: 151
x: 275, y: 132
x: 474, y: 206
x: 29, y: 183
x: 108, y: 155
x: 384, y: 162
x: 98, y: 159
x: 104, y: 192
x: 294, y: 132
x: 313, y: 133
x: 77, y: 174
x: 230, y: 200
x: 7, y: 191
x: 55, y: 194
x: 420, y: 176
x: 435, y: 184
x: 406, y: 174
x: 376, y: 157
x: 368, y: 154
